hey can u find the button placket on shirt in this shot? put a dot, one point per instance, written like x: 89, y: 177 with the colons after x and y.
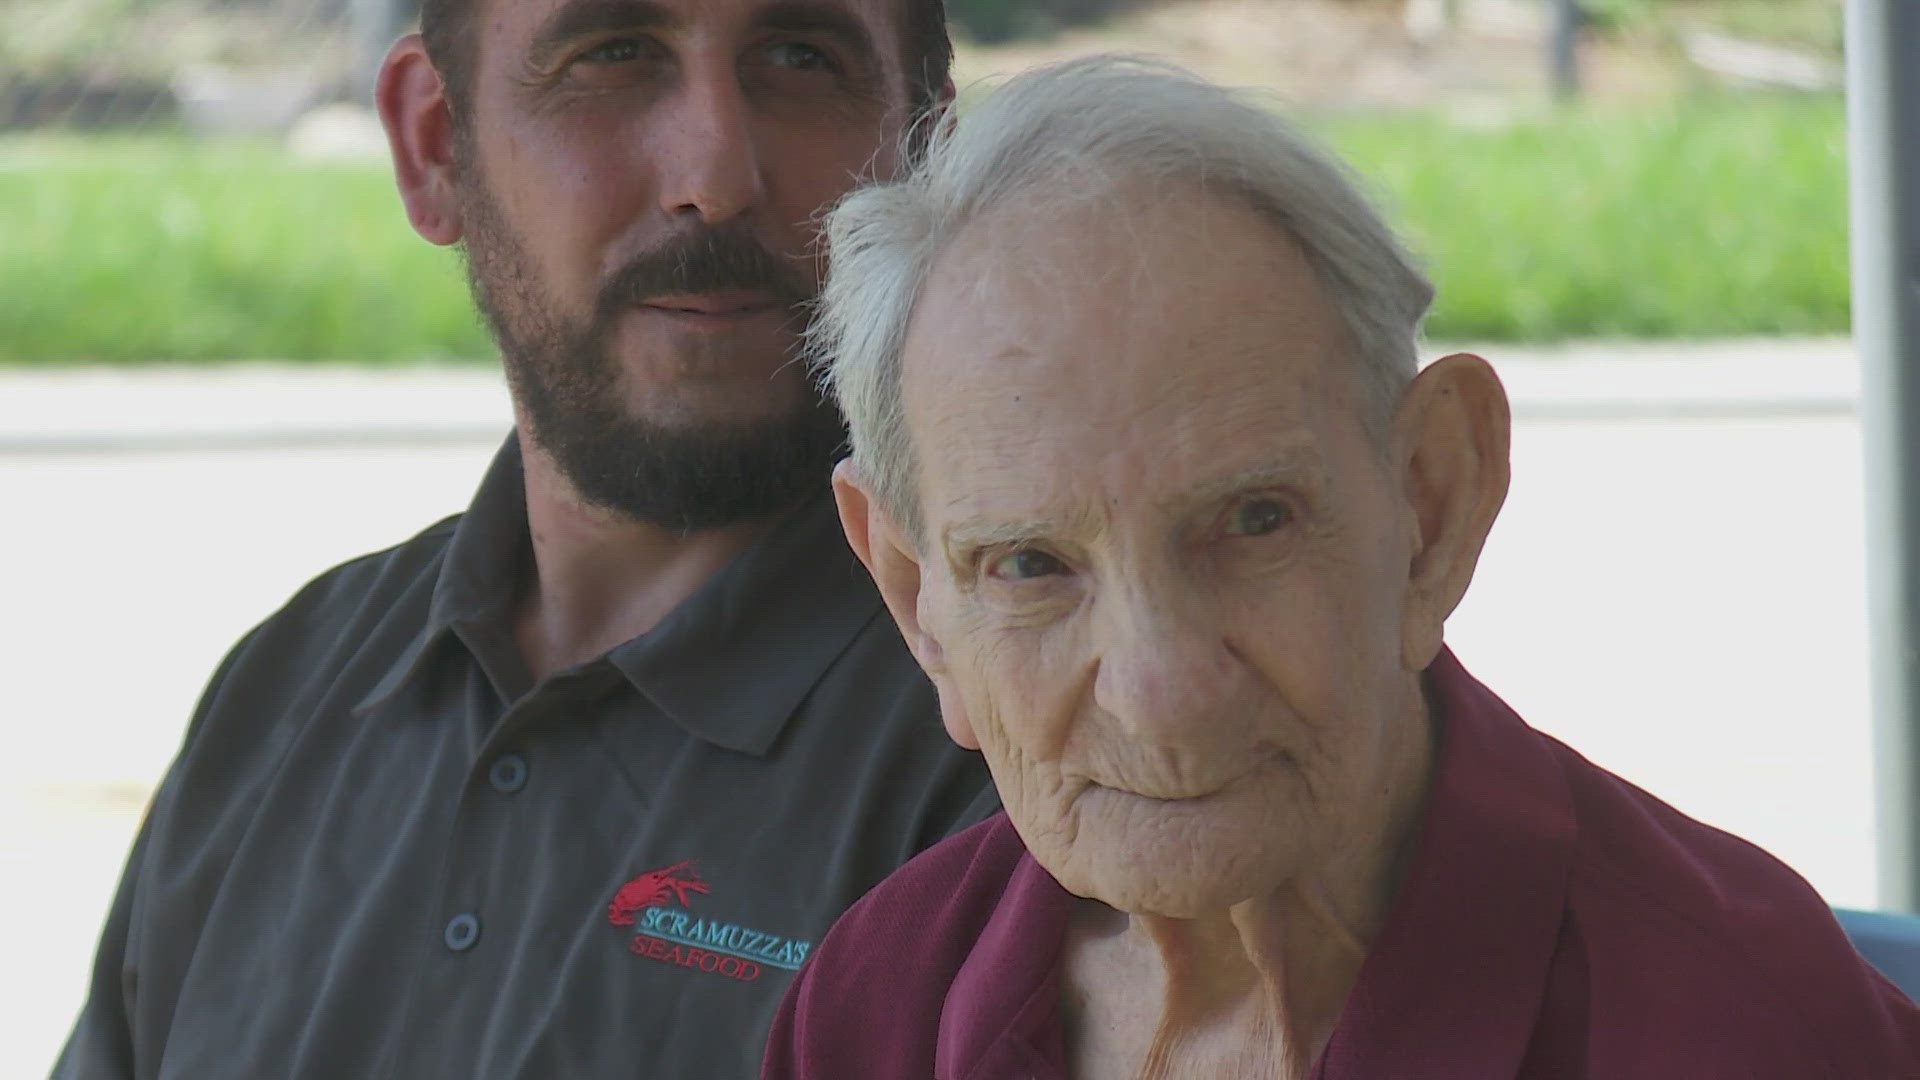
x: 505, y: 761
x: 507, y: 774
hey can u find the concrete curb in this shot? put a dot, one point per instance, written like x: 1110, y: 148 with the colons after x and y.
x: 262, y: 405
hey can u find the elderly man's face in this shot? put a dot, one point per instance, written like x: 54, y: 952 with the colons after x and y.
x: 1169, y: 580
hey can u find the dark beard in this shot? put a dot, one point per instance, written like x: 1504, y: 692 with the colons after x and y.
x: 564, y: 376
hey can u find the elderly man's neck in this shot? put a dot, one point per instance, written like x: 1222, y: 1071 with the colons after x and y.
x: 601, y: 579
x: 1255, y: 989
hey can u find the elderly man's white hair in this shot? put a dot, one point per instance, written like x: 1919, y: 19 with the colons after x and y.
x: 1051, y: 131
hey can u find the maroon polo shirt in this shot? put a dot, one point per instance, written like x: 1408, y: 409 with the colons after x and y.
x: 1556, y: 922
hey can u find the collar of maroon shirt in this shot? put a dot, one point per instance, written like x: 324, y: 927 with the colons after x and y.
x: 1478, y: 913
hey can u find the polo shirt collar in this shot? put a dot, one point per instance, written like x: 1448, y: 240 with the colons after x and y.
x: 478, y: 575
x: 1001, y: 1016
x: 1464, y: 957
x: 783, y: 610
x: 492, y: 547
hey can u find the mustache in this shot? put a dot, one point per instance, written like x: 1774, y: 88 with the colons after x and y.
x: 700, y: 261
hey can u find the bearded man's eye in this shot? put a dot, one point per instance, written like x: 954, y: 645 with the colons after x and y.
x: 617, y: 51
x: 799, y: 56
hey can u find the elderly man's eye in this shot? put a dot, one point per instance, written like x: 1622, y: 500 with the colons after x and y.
x: 1026, y: 564
x: 1258, y: 517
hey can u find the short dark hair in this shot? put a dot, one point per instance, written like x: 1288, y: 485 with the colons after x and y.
x: 446, y: 28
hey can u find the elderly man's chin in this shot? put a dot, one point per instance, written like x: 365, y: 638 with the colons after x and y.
x: 1180, y: 858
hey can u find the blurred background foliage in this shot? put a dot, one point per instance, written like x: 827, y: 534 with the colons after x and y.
x: 1782, y: 21
x: 192, y: 179
x: 991, y: 22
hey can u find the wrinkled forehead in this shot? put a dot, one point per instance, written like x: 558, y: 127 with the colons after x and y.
x: 1146, y: 343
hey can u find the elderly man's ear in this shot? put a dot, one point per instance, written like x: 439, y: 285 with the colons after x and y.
x: 1452, y: 437
x: 413, y: 108
x: 890, y: 557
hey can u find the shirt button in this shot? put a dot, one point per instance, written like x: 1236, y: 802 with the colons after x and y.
x: 508, y: 774
x: 462, y: 931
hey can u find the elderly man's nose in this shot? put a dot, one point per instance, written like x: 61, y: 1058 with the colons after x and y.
x: 710, y: 166
x: 1160, y: 671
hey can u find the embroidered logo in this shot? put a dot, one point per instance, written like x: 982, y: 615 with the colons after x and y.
x: 653, y: 888
x: 665, y: 933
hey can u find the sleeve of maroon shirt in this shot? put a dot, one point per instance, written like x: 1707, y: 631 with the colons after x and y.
x: 868, y: 1001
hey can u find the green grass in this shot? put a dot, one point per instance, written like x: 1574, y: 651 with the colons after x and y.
x: 1717, y: 217
x: 152, y: 249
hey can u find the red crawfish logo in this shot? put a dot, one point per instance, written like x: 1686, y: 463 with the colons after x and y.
x: 654, y: 887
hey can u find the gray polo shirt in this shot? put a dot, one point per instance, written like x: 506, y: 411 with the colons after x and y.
x: 383, y: 852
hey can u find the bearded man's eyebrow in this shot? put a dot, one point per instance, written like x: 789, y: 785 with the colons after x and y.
x: 580, y: 18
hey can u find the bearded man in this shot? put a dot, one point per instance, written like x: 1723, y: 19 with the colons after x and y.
x: 569, y: 784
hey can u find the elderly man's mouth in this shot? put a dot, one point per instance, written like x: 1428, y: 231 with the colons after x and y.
x: 1165, y: 797
x: 1190, y: 798
x: 1193, y: 794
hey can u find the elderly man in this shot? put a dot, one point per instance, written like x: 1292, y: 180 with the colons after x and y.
x: 569, y: 785
x: 1144, y: 472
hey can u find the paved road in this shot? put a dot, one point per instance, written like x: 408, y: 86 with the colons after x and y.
x: 1676, y: 589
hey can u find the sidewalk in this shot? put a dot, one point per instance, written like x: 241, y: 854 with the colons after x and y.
x: 248, y: 405
x: 1759, y: 377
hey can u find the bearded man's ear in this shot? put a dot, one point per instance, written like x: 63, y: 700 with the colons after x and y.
x: 419, y: 122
